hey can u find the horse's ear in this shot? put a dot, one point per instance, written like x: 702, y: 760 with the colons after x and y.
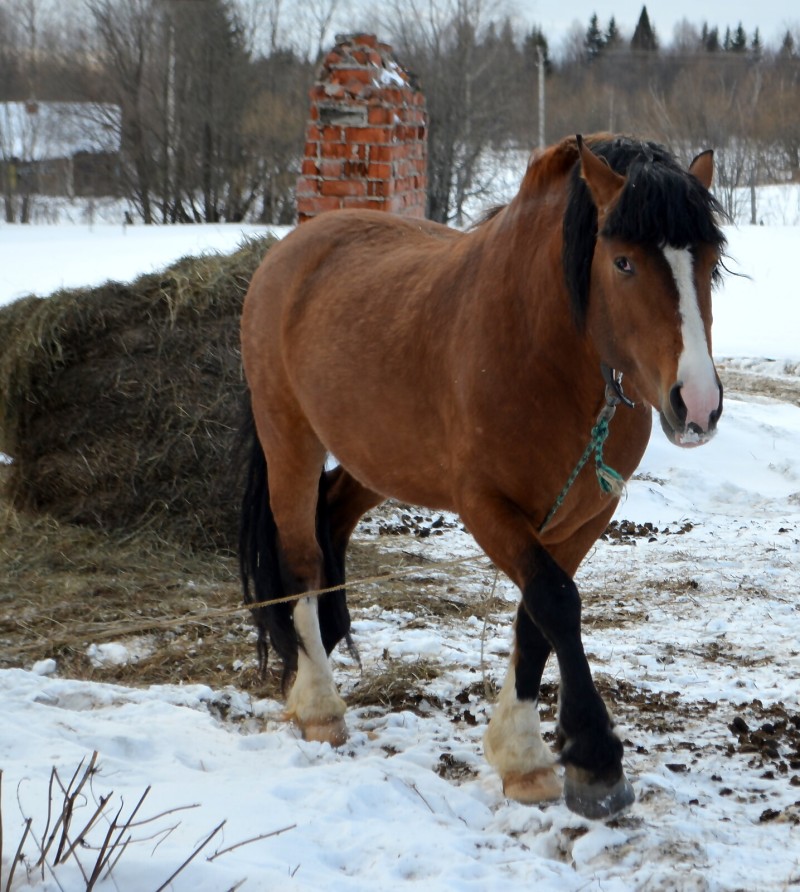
x: 604, y: 184
x: 703, y: 167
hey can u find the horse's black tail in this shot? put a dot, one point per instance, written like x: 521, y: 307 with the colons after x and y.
x: 261, y: 566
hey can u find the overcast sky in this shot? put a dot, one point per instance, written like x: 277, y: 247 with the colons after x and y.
x: 558, y: 17
x: 555, y: 17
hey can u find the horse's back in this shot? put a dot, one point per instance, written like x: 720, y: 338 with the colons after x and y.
x: 342, y: 257
x: 345, y: 237
x: 341, y: 329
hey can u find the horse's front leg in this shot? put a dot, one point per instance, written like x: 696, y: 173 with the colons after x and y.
x: 595, y: 785
x: 513, y: 743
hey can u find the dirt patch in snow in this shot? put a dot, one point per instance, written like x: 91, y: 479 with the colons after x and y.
x: 774, y: 383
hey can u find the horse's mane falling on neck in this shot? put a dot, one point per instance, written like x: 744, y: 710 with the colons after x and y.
x: 661, y: 204
x: 545, y: 169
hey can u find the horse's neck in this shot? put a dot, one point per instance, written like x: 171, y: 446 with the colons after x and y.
x: 528, y: 298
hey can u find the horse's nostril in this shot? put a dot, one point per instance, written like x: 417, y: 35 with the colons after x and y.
x: 677, y: 404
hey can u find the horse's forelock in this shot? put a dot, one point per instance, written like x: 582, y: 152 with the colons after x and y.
x: 660, y: 204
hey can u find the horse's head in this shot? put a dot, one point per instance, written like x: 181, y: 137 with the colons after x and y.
x: 641, y: 251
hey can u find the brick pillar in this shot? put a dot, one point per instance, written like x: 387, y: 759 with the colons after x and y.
x: 366, y: 140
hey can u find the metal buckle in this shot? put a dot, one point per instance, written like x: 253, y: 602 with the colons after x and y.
x: 614, y: 393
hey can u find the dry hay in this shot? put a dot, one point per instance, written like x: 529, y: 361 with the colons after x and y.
x: 394, y: 684
x: 65, y: 587
x: 120, y: 404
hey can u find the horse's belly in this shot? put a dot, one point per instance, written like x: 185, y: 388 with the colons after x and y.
x: 400, y: 459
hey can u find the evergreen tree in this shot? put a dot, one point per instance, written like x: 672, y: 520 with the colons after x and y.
x: 644, y: 37
x: 533, y: 42
x: 613, y: 38
x: 728, y: 41
x: 710, y: 39
x: 787, y: 46
x: 593, y: 42
x: 507, y: 36
x: 756, y: 47
x: 739, y: 40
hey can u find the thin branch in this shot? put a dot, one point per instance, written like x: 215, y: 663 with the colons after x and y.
x: 191, y: 857
x: 103, y: 858
x: 65, y: 820
x: 414, y: 788
x: 47, y: 863
x: 164, y: 834
x: 65, y: 817
x: 246, y: 842
x: 49, y: 812
x: 88, y: 826
x: 98, y: 864
x: 114, y: 863
x: 28, y: 823
x: 163, y: 814
x: 486, y: 691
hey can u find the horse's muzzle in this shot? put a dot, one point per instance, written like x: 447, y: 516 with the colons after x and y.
x: 691, y: 426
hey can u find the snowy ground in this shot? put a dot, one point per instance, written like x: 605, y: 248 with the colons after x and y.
x: 40, y: 258
x: 691, y: 625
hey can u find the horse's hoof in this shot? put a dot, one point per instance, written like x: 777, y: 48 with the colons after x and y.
x: 595, y: 800
x: 532, y: 787
x: 332, y: 731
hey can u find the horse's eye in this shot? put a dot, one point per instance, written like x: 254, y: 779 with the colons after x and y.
x: 623, y: 265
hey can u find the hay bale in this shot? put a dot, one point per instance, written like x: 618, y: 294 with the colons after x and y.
x: 120, y: 404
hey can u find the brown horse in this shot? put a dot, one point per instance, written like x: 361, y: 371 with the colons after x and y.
x: 462, y: 371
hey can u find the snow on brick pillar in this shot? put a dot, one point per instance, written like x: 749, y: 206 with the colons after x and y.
x: 366, y: 140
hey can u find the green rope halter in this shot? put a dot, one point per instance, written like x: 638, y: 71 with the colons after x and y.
x: 610, y: 481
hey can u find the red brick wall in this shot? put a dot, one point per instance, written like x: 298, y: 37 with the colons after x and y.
x: 366, y: 140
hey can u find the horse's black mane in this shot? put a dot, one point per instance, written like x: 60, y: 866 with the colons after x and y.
x: 661, y: 204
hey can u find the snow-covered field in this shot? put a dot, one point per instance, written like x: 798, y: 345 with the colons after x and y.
x: 41, y: 258
x: 691, y: 624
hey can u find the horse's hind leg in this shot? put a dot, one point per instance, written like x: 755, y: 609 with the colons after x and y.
x: 294, y: 466
x: 348, y: 501
x: 513, y: 743
x: 313, y: 702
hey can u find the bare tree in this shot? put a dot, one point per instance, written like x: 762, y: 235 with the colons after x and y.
x: 274, y: 130
x: 778, y: 121
x: 25, y: 32
x: 446, y: 44
x: 685, y: 38
x: 213, y: 95
x: 129, y: 38
x: 180, y: 72
x: 210, y: 71
x: 316, y: 18
x: 574, y: 47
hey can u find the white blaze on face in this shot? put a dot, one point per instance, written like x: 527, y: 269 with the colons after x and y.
x: 696, y: 375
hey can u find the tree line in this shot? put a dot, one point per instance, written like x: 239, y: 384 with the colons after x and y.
x: 213, y: 93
